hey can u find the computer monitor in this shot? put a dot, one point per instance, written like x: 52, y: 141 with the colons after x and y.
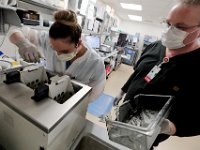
x: 93, y: 41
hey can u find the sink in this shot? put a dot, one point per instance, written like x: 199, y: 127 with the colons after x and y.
x: 91, y: 142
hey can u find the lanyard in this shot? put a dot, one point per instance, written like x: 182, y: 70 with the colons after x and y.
x: 155, y: 70
x: 165, y: 60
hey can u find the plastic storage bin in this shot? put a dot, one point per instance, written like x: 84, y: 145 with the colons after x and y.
x: 142, y: 137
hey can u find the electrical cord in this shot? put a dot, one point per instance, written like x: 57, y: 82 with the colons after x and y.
x: 4, y: 38
x: 3, y: 31
x: 6, y: 62
x: 2, y: 41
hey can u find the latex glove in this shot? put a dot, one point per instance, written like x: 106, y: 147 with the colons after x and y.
x: 124, y: 110
x: 167, y: 127
x: 118, y: 98
x: 28, y: 51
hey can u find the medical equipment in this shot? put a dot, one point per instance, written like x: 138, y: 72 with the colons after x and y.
x: 106, y: 48
x: 34, y: 116
x: 93, y: 41
x: 7, y: 62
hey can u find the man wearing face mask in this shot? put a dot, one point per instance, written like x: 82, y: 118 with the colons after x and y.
x: 64, y: 51
x: 174, y: 61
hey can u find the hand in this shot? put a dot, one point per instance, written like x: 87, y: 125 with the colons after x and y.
x: 28, y: 51
x: 124, y: 110
x: 118, y: 98
x: 167, y: 127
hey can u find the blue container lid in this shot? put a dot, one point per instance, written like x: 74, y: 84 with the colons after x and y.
x: 1, y: 53
x: 101, y: 106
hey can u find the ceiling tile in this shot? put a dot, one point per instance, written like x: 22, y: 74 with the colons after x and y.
x: 152, y: 11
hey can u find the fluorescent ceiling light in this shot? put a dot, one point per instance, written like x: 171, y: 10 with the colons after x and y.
x: 131, y: 6
x: 108, y: 8
x: 135, y: 18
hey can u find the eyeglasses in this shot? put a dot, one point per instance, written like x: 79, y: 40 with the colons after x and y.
x: 166, y: 24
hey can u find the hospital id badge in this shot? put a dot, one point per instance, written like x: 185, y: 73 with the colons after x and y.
x: 154, y: 71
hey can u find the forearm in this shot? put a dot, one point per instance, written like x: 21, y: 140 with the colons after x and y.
x: 16, y: 37
x: 27, y: 50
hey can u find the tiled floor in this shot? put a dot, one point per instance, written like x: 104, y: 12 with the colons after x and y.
x: 113, y: 85
x: 117, y: 79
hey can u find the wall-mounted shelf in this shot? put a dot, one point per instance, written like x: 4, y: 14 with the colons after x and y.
x: 41, y: 4
x: 110, y: 55
x: 89, y: 32
x: 10, y: 16
x: 93, y: 33
x: 38, y: 27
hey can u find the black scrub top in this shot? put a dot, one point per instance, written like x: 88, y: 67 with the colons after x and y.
x: 179, y: 77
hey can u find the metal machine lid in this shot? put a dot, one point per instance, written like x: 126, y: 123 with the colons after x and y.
x: 46, y: 114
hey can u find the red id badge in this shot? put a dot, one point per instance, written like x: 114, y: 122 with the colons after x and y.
x: 154, y: 71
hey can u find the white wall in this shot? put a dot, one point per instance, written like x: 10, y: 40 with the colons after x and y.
x: 118, y: 20
x: 132, y: 27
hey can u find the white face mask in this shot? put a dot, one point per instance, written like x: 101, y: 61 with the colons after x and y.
x: 67, y: 57
x: 199, y: 41
x: 173, y: 38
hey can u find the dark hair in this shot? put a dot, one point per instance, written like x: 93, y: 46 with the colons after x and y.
x: 191, y: 2
x: 65, y: 26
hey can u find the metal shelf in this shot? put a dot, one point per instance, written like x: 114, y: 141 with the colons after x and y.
x: 93, y: 33
x: 37, y: 27
x: 41, y: 4
x: 110, y: 54
x: 10, y: 16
